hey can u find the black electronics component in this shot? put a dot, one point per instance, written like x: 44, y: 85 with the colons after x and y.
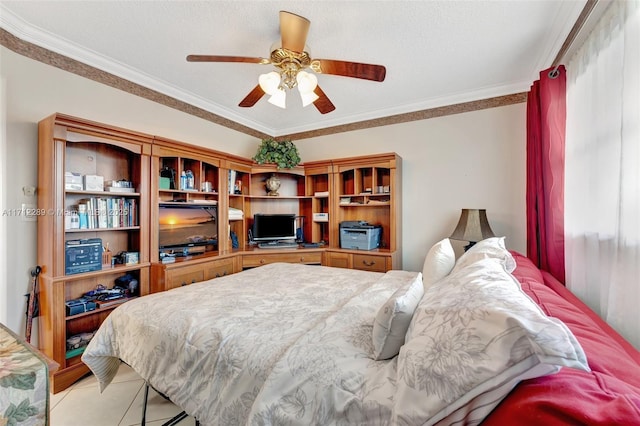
x: 82, y: 256
x: 80, y: 305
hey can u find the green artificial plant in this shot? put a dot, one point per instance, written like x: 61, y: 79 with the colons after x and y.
x: 284, y: 154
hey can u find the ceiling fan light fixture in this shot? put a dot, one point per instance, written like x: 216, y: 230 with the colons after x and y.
x: 269, y: 82
x: 308, y: 98
x: 307, y: 82
x: 279, y: 98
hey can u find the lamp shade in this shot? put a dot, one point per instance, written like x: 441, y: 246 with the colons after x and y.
x: 473, y: 226
x: 269, y: 82
x: 306, y: 82
x: 308, y: 98
x: 278, y: 98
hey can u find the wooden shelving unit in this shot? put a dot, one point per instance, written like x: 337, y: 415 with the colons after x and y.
x: 363, y: 188
x: 68, y: 144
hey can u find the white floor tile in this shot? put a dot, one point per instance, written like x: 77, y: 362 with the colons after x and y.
x: 54, y: 399
x: 87, y: 381
x: 119, y: 405
x: 87, y: 406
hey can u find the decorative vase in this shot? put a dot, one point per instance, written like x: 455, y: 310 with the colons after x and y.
x: 273, y: 184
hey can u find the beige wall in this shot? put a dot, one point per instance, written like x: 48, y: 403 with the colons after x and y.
x: 470, y: 160
x: 474, y: 160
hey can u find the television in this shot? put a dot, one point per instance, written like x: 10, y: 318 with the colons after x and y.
x: 186, y: 229
x: 274, y: 227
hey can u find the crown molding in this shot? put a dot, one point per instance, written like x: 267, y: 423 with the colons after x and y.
x: 26, y: 40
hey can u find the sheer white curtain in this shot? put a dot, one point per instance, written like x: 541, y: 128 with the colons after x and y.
x: 602, y: 170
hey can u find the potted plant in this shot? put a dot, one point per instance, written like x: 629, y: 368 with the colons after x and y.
x: 284, y: 154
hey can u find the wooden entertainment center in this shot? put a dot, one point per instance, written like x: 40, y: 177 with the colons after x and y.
x: 353, y: 189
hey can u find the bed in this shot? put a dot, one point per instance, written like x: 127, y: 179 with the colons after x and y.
x: 487, y: 338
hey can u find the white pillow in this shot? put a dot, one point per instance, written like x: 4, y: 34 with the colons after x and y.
x: 439, y: 262
x: 473, y: 337
x: 490, y: 248
x: 393, y: 319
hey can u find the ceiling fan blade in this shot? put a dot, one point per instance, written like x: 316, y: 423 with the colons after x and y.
x: 217, y: 58
x: 350, y: 69
x: 323, y: 104
x: 293, y: 31
x: 253, y: 97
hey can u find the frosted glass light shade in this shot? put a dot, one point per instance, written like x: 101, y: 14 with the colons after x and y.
x: 269, y: 82
x: 308, y: 98
x: 279, y: 98
x: 306, y: 82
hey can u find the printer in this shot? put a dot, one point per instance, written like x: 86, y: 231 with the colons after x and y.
x: 359, y: 235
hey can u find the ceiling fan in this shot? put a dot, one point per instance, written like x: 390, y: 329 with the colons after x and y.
x: 291, y: 59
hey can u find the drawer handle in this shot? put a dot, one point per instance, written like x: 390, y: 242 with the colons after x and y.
x: 301, y: 258
x: 217, y: 275
x: 193, y: 281
x: 262, y: 261
x: 183, y: 284
x: 367, y: 263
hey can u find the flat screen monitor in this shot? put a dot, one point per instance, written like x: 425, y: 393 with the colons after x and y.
x: 274, y: 227
x: 187, y: 225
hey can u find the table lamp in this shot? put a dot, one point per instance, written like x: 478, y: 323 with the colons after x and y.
x: 473, y: 226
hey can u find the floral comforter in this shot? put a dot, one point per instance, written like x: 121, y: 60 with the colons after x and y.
x: 24, y: 384
x: 279, y: 344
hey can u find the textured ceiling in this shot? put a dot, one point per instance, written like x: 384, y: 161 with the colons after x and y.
x: 437, y: 53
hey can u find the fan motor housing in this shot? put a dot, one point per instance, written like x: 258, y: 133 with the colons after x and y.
x: 283, y: 56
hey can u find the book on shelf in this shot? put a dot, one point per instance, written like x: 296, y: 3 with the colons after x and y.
x: 106, y: 213
x: 321, y: 194
x: 102, y: 213
x: 232, y: 181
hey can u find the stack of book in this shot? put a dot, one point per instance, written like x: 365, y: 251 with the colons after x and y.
x: 98, y: 212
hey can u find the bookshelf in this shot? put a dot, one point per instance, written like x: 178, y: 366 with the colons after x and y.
x: 79, y: 164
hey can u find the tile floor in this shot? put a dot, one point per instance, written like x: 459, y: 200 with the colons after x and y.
x: 119, y: 405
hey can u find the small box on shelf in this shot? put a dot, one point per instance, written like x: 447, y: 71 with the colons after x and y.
x: 321, y: 217
x: 120, y: 186
x: 73, y: 181
x: 93, y: 183
x: 165, y: 183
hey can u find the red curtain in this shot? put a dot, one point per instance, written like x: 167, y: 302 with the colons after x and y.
x: 546, y: 123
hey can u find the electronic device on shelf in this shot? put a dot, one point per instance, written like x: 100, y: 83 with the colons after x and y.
x: 274, y: 227
x: 311, y: 245
x: 359, y: 235
x: 278, y: 244
x: 186, y: 229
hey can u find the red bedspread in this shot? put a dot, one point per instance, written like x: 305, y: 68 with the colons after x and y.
x: 608, y: 395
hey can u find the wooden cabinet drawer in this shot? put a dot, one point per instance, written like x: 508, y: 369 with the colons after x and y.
x: 368, y: 262
x: 253, y: 260
x: 338, y: 260
x: 219, y: 268
x: 183, y: 276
